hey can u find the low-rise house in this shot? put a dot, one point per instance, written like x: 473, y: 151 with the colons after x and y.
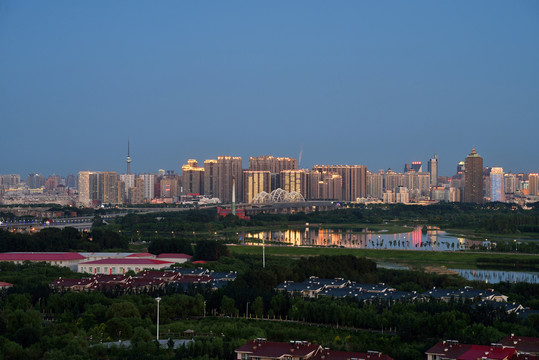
x: 73, y: 284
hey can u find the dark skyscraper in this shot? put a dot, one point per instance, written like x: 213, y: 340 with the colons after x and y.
x: 433, y: 170
x: 473, y: 171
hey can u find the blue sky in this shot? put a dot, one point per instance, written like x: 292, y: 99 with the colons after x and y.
x: 353, y: 82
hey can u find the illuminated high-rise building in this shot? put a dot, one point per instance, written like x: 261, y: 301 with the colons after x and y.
x: 473, y: 171
x: 228, y: 167
x: 533, y: 184
x: 497, y: 192
x: 433, y: 170
x: 84, y: 188
x: 294, y: 180
x: 192, y: 178
x: 272, y: 164
x: 255, y: 182
x: 354, y: 179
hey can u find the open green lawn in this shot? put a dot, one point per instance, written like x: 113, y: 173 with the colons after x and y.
x: 415, y: 259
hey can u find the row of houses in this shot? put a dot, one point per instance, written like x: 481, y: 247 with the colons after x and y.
x: 261, y: 349
x: 111, y: 263
x: 146, y: 280
x: 315, y: 287
x: 509, y: 348
x: 339, y: 288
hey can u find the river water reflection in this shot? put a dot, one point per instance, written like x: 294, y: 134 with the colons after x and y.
x: 496, y: 276
x: 433, y: 240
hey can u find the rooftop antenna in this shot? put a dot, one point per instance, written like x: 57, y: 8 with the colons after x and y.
x: 128, y: 159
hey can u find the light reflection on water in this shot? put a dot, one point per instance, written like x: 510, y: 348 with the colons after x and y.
x: 433, y: 240
x: 496, y: 276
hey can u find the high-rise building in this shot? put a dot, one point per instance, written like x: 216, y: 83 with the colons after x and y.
x: 294, y: 180
x: 416, y: 166
x: 473, y: 171
x: 433, y: 170
x: 228, y: 167
x: 533, y: 184
x: 34, y: 181
x: 497, y: 192
x: 148, y: 181
x: 84, y: 188
x: 392, y: 180
x: 111, y: 188
x: 375, y: 185
x: 255, y: 182
x: 192, y: 178
x: 510, y: 183
x: 129, y: 181
x: 211, y: 180
x: 354, y: 179
x: 272, y: 164
x: 169, y: 187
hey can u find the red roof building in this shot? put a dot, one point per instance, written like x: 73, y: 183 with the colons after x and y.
x: 121, y: 266
x: 66, y: 259
x: 453, y: 350
x: 523, y: 344
x: 294, y: 350
x: 5, y: 285
x: 175, y: 258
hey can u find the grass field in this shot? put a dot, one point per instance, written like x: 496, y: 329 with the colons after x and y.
x: 412, y: 259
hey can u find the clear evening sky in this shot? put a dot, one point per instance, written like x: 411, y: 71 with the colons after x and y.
x: 377, y: 83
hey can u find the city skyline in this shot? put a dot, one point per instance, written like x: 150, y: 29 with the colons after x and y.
x: 121, y: 166
x: 358, y: 82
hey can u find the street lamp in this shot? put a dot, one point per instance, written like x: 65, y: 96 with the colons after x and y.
x: 247, y: 310
x: 516, y: 245
x: 158, y: 299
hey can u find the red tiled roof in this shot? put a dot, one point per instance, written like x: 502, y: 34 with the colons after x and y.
x: 127, y: 261
x: 327, y: 354
x: 173, y: 256
x: 200, y: 262
x: 140, y: 255
x: 449, y: 349
x: 522, y: 343
x: 259, y: 348
x: 5, y: 284
x: 480, y: 351
x: 40, y: 256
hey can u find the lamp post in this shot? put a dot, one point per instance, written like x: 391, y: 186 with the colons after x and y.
x: 204, y: 308
x: 247, y: 310
x: 516, y: 245
x: 158, y: 299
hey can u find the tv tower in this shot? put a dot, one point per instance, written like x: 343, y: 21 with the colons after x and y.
x: 128, y: 159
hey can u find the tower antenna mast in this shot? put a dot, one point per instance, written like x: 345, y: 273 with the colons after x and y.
x: 128, y: 159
